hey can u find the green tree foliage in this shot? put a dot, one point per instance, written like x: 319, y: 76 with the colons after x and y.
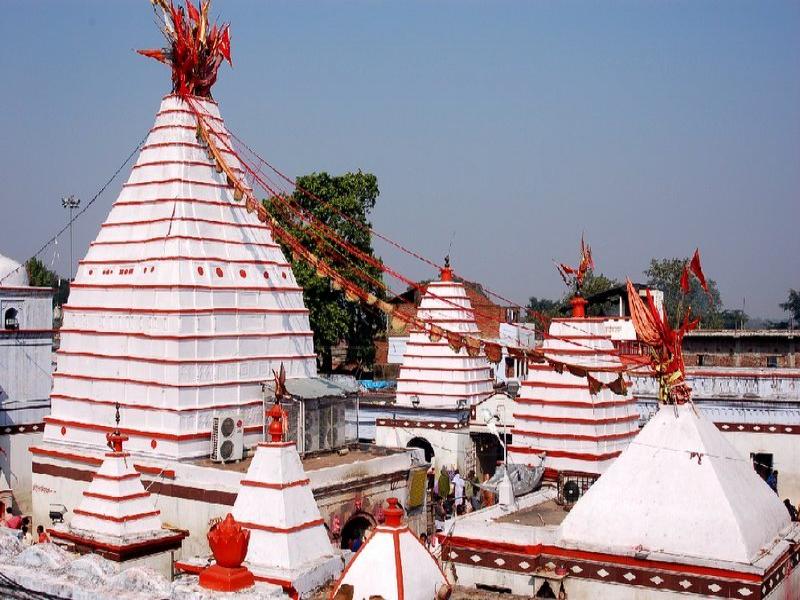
x: 597, y: 284
x: 665, y: 275
x: 792, y: 305
x: 734, y: 319
x: 548, y: 308
x: 333, y: 318
x: 41, y: 276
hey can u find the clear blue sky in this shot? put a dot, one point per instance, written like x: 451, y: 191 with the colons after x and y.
x: 654, y: 127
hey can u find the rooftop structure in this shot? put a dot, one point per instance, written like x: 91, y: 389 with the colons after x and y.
x: 117, y: 517
x: 433, y: 374
x: 393, y: 564
x: 557, y: 412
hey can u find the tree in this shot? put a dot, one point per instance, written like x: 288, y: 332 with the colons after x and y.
x: 333, y: 318
x: 792, y: 305
x: 597, y: 284
x: 544, y: 306
x: 665, y: 275
x: 734, y: 319
x: 41, y: 276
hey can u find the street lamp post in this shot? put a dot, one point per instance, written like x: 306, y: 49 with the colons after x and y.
x: 70, y: 202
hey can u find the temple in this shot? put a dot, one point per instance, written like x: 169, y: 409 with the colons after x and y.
x: 557, y: 413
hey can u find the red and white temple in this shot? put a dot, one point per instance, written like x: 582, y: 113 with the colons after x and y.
x: 393, y: 564
x: 117, y: 517
x: 434, y: 375
x: 182, y: 306
x: 557, y: 412
x: 288, y: 545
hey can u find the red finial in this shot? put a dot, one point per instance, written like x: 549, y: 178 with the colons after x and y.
x: 578, y: 306
x: 446, y: 273
x: 228, y: 541
x: 115, y: 439
x: 394, y: 514
x: 275, y: 429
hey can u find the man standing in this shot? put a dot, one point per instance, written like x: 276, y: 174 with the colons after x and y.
x: 458, y: 484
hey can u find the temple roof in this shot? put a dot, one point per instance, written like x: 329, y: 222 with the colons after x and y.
x: 393, y: 564
x: 679, y: 488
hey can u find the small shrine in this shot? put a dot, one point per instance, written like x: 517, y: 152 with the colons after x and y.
x: 434, y: 373
x: 574, y: 407
x: 117, y: 518
x: 289, y: 544
x: 393, y: 564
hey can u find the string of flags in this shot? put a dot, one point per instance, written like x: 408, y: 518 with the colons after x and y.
x: 473, y: 345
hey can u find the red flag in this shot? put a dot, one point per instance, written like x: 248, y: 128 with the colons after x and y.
x: 685, y: 279
x: 694, y: 265
x: 194, y: 14
x: 159, y: 55
x: 225, y: 44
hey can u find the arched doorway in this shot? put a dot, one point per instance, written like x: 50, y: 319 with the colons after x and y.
x: 356, y: 526
x: 10, y: 320
x: 425, y: 445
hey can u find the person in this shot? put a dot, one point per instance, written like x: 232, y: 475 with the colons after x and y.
x: 42, y: 536
x: 27, y: 536
x: 13, y: 521
x: 435, y: 547
x: 458, y: 488
x: 356, y: 543
x: 444, y: 484
x: 488, y: 496
x: 439, y: 514
x: 423, y: 537
x: 772, y: 481
x: 792, y: 510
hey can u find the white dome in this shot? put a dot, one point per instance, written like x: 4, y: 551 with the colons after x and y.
x: 12, y: 274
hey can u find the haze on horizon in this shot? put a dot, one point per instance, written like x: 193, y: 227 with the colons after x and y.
x: 653, y: 127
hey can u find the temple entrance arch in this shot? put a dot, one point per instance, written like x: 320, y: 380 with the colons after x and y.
x: 356, y: 527
x: 425, y: 445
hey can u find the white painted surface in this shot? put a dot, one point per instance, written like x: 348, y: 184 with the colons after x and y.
x: 556, y: 412
x: 12, y: 273
x: 115, y: 502
x: 287, y: 508
x: 431, y: 371
x: 658, y: 496
x: 183, y: 303
x: 374, y: 570
x: 450, y: 447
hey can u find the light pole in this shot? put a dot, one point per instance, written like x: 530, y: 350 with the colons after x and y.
x: 70, y: 202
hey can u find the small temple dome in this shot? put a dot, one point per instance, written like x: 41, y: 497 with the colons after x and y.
x: 12, y: 273
x: 394, y: 564
x: 680, y: 488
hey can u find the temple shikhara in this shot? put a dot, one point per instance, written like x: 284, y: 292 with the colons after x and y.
x: 185, y: 442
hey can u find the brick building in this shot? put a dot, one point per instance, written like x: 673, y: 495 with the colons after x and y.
x: 750, y: 348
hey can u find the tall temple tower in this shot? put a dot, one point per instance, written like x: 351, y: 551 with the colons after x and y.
x: 434, y: 375
x: 182, y: 306
x: 556, y: 411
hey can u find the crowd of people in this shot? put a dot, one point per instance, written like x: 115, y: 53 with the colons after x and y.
x: 455, y: 495
x: 25, y: 529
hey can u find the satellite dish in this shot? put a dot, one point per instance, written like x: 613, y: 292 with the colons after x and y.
x: 572, y: 491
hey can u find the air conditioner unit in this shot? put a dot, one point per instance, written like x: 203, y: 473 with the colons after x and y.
x: 227, y: 438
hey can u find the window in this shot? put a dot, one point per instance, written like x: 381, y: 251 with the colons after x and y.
x: 701, y: 359
x: 509, y: 367
x: 772, y: 362
x: 10, y: 320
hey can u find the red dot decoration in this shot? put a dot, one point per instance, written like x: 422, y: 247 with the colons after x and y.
x: 200, y: 270
x: 219, y: 272
x: 63, y: 430
x: 266, y: 275
x: 151, y: 269
x: 283, y: 275
x: 239, y: 423
x: 242, y: 273
x: 90, y: 271
x: 153, y: 444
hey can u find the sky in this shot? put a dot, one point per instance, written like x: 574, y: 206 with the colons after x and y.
x: 510, y: 128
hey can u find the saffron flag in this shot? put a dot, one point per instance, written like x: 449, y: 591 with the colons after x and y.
x: 694, y: 265
x: 685, y: 279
